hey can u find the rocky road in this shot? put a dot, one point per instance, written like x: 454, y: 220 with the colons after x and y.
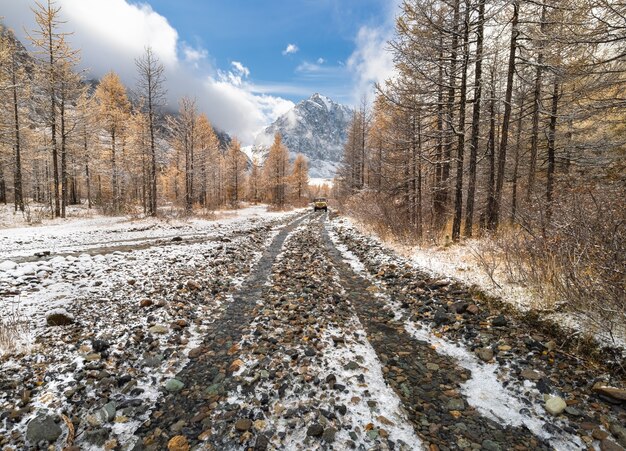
x: 302, y: 334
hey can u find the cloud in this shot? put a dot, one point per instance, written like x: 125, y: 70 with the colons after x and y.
x: 112, y: 33
x: 291, y: 48
x: 371, y: 61
x: 194, y: 55
x: 321, y: 60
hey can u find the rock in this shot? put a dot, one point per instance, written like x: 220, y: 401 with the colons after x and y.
x: 243, y: 424
x: 193, y: 285
x: 145, y: 303
x: 489, y: 445
x: 599, y: 434
x: 455, y: 404
x: 195, y: 352
x: 550, y: 346
x: 612, y: 392
x: 499, y: 321
x: 177, y: 239
x: 555, y: 405
x: 329, y: 435
x: 42, y: 428
x: 97, y: 437
x: 131, y: 281
x: 315, y: 430
x: 573, y: 411
x: 619, y: 432
x: 178, y: 443
x: 441, y: 317
x: 59, y: 317
x: 473, y: 309
x: 158, y: 329
x: 485, y: 354
x: 103, y: 415
x: 531, y: 375
x: 100, y: 345
x: 610, y: 445
x: 7, y: 265
x: 174, y: 385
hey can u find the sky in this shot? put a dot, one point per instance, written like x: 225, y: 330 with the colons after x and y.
x: 245, y: 61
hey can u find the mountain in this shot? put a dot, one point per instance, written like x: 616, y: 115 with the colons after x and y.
x: 316, y: 127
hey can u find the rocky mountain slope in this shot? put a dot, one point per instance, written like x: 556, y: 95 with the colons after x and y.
x: 316, y: 127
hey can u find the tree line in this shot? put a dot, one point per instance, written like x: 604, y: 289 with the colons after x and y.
x: 500, y: 112
x: 65, y: 140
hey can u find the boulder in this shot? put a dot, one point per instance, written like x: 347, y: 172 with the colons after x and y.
x: 59, y: 317
x: 42, y: 428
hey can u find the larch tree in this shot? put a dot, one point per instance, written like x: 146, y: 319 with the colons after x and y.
x: 113, y: 112
x: 151, y: 88
x: 276, y: 171
x: 53, y: 53
x: 236, y: 162
x: 300, y: 177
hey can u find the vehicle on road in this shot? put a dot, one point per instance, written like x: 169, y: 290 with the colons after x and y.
x: 320, y: 203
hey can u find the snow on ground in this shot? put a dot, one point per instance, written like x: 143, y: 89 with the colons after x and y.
x: 149, y: 305
x: 460, y: 263
x: 75, y: 235
x: 485, y: 390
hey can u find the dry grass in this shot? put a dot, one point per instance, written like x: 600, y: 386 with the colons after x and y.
x: 13, y: 326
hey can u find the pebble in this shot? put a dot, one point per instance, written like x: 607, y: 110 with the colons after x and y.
x: 555, y: 405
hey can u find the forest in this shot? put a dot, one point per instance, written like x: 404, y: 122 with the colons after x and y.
x: 67, y: 140
x: 505, y: 121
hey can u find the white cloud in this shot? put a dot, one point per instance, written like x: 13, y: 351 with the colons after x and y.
x: 194, y: 55
x: 291, y: 48
x: 371, y: 61
x: 112, y: 33
x: 321, y: 60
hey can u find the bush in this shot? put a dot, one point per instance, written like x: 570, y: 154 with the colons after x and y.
x: 578, y: 264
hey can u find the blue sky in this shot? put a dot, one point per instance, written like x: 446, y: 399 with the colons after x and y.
x: 245, y: 61
x: 256, y: 33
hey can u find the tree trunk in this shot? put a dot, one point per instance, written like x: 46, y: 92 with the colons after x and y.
x: 63, y: 153
x: 458, y: 195
x: 552, y: 150
x: 494, y: 219
x: 114, y: 175
x: 17, y: 175
x: 445, y: 174
x: 518, y: 144
x: 478, y: 71
x: 534, y: 136
x: 491, y: 150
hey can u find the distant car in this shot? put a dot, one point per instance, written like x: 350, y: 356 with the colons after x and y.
x: 320, y: 204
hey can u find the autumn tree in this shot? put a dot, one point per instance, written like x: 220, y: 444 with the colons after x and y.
x: 300, y: 177
x: 235, y: 162
x: 113, y: 111
x: 276, y: 171
x: 151, y: 88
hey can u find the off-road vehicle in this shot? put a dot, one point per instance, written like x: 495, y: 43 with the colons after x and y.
x: 320, y: 204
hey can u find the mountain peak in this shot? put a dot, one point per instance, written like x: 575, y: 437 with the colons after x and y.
x: 316, y: 127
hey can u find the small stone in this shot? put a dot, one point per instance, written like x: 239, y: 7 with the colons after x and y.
x: 235, y: 366
x: 193, y: 285
x: 195, y: 352
x: 531, y: 375
x: 178, y: 443
x: 573, y: 411
x: 610, y: 445
x: 131, y: 281
x: 59, y: 317
x: 329, y: 435
x: 174, y: 385
x: 619, y: 432
x: 315, y: 430
x: 243, y: 424
x: 432, y: 366
x: 612, y: 392
x: 158, y: 329
x: 489, y: 445
x: 499, y: 321
x: 455, y: 404
x: 473, y: 309
x: 555, y: 405
x: 100, y: 345
x: 599, y: 434
x: 485, y: 354
x: 145, y: 303
x: 42, y: 428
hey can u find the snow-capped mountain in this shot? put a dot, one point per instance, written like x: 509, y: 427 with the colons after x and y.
x: 316, y: 127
